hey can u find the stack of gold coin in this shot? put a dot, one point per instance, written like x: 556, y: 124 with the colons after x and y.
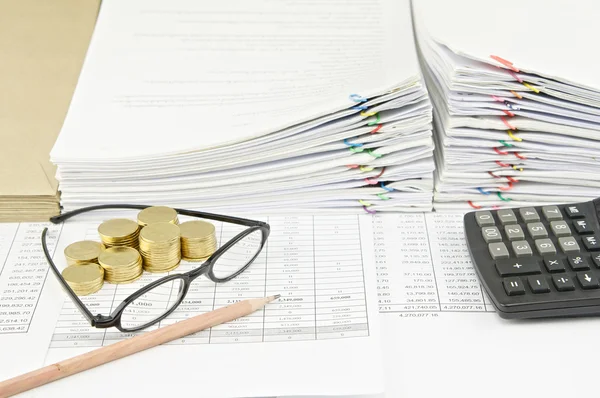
x: 121, y: 264
x: 198, y: 240
x: 119, y: 232
x: 83, y: 252
x: 160, y: 247
x: 84, y: 279
x: 154, y: 214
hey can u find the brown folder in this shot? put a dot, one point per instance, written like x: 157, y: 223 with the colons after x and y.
x: 42, y: 48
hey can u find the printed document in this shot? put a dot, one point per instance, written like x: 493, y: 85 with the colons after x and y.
x: 324, y: 327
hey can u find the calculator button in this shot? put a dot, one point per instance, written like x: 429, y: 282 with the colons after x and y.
x: 552, y: 213
x: 529, y: 214
x: 587, y: 280
x: 491, y: 234
x: 583, y: 227
x: 591, y: 243
x: 554, y: 264
x: 574, y: 211
x: 506, y: 216
x: 513, y: 286
x: 560, y: 228
x: 521, y: 248
x: 484, y: 218
x: 537, y: 230
x: 538, y: 284
x: 596, y: 260
x: 521, y: 266
x: 563, y: 283
x: 568, y: 244
x: 545, y: 246
x: 578, y: 263
x: 514, y: 232
x: 498, y: 250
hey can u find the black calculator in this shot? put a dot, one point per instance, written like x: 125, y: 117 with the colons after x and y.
x: 540, y: 261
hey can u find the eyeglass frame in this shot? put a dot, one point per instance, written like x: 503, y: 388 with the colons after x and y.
x: 114, y: 319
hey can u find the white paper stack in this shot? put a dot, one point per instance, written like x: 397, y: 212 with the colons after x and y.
x: 516, y: 94
x: 303, y: 105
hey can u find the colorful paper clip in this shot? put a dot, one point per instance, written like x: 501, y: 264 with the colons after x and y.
x: 529, y: 86
x: 387, y: 188
x: 511, y: 135
x: 358, y: 99
x: 502, y: 197
x: 507, y: 123
x: 365, y: 205
x: 473, y: 205
x: 373, y: 181
x: 351, y: 144
x: 376, y: 129
x: 376, y: 120
x: 519, y: 96
x: 504, y: 62
x: 375, y: 155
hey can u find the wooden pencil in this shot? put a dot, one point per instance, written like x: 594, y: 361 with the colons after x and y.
x: 130, y: 346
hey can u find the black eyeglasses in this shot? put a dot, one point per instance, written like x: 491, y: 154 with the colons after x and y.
x: 157, y: 300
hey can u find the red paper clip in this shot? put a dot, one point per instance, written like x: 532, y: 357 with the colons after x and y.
x: 473, y: 206
x: 507, y: 123
x: 507, y: 188
x: 374, y: 180
x: 376, y: 129
x: 504, y: 62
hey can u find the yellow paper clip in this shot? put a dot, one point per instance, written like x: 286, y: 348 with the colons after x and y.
x: 531, y: 88
x: 510, y: 134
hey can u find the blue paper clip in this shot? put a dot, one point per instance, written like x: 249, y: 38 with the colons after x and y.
x: 351, y: 145
x: 386, y: 188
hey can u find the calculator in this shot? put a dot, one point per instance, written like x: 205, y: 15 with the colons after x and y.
x: 537, y: 262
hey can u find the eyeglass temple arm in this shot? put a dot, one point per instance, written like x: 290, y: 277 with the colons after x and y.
x: 90, y: 317
x: 185, y: 212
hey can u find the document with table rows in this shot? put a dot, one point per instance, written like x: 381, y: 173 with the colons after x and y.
x: 423, y: 265
x: 314, y: 262
x: 23, y: 272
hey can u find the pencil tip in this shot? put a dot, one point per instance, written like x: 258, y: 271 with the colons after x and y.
x: 275, y: 297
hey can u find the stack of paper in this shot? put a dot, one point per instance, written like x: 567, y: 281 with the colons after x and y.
x: 279, y: 105
x: 43, y: 45
x: 516, y: 101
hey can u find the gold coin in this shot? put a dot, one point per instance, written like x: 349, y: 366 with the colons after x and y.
x: 118, y: 228
x: 121, y: 264
x: 160, y: 246
x: 125, y: 281
x: 198, y: 240
x: 85, y: 251
x: 161, y: 270
x: 154, y: 214
x: 196, y: 229
x: 119, y: 232
x: 84, y: 279
x: 118, y: 257
x: 160, y: 232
